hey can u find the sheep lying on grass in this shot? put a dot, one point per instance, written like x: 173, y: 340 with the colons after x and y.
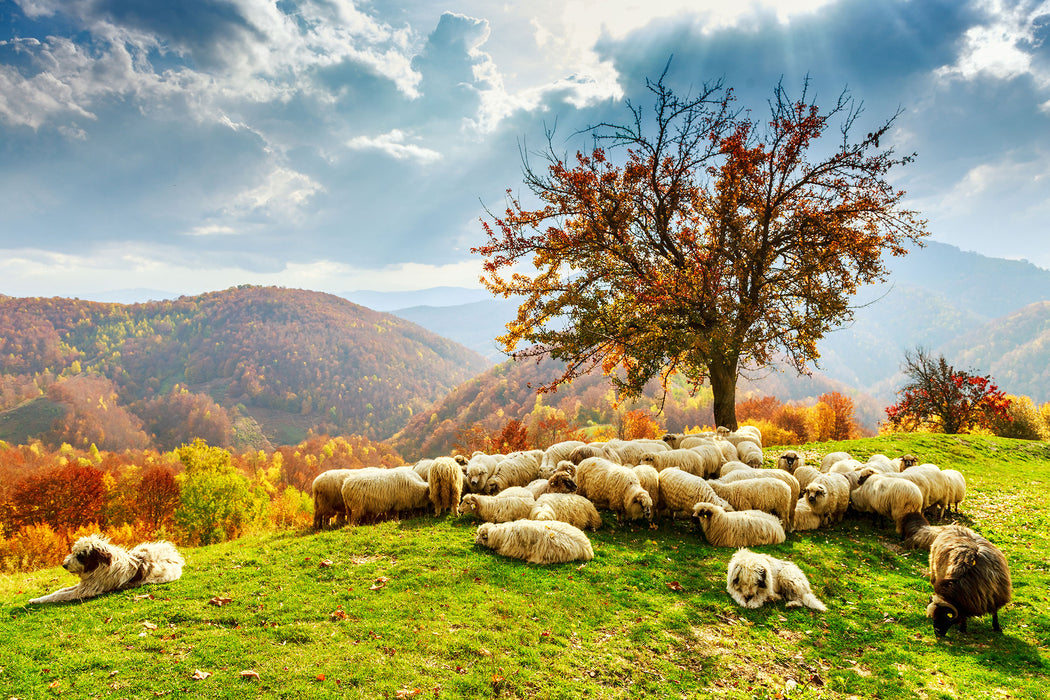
x: 567, y: 508
x: 745, y: 528
x: 753, y: 579
x: 805, y: 518
x: 559, y: 482
x: 516, y: 469
x: 373, y: 491
x: 536, y: 541
x: 970, y: 578
x: 497, y: 509
x: 479, y: 467
x: 769, y: 495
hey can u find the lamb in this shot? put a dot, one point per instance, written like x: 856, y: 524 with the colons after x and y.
x: 769, y: 495
x: 568, y: 508
x: 789, y: 461
x: 745, y: 528
x: 680, y: 491
x: 479, y: 467
x: 497, y: 509
x: 615, y: 487
x: 328, y: 497
x: 650, y: 481
x: 535, y: 541
x: 446, y: 485
x: 372, y: 491
x: 750, y: 453
x: 887, y: 496
x: 970, y: 578
x: 556, y: 453
x: 804, y: 476
x: 686, y: 460
x: 516, y: 469
x: 828, y: 497
x: 829, y: 459
x: 754, y: 579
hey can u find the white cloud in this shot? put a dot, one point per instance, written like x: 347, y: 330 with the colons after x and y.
x: 393, y: 143
x: 281, y: 195
x: 1003, y: 47
x: 213, y: 230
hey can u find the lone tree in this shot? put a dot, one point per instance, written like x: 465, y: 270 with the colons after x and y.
x: 940, y: 397
x: 717, y: 243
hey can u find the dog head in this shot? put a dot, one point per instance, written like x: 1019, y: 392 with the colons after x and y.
x: 748, y: 579
x: 88, y: 553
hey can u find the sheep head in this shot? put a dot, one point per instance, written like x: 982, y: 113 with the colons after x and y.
x: 703, y: 511
x: 866, y: 474
x: 789, y: 458
x: 815, y: 492
x: 483, y: 534
x: 908, y: 460
x: 944, y: 614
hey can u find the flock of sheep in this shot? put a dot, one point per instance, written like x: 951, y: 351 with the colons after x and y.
x: 535, y: 506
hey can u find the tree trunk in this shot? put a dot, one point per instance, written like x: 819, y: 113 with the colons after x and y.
x: 723, y: 386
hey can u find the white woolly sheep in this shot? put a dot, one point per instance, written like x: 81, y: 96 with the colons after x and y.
x: 536, y: 541
x: 956, y: 487
x: 778, y: 474
x: 373, y: 491
x: 743, y: 528
x: 805, y: 518
x: 789, y: 461
x: 680, y: 491
x: 479, y: 467
x: 615, y: 487
x: 732, y: 466
x: 328, y: 497
x: 970, y: 578
x: 882, y: 463
x: 568, y: 508
x: 728, y: 450
x: 631, y: 451
x: 940, y: 490
x: 712, y: 457
x: 497, y: 509
x: 828, y: 497
x: 845, y: 466
x: 743, y: 432
x: 686, y: 460
x: 753, y: 579
x: 446, y: 485
x: 516, y: 469
x: 828, y: 460
x: 559, y: 482
x: 650, y: 480
x: 750, y: 453
x: 557, y: 452
x: 886, y: 496
x: 805, y: 475
x: 769, y: 495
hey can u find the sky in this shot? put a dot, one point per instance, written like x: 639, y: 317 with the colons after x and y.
x: 342, y: 145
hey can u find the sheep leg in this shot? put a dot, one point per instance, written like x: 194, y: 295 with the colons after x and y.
x: 962, y: 623
x: 995, y: 622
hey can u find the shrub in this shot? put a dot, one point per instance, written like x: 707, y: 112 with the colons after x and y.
x: 216, y: 502
x: 1022, y: 420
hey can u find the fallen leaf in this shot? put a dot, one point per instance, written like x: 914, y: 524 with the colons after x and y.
x: 496, y: 680
x: 325, y: 564
x: 149, y: 625
x: 249, y: 674
x: 545, y: 633
x: 460, y: 670
x: 219, y: 602
x: 144, y: 596
x: 339, y: 615
x: 320, y: 676
x: 199, y: 675
x: 408, y: 693
x: 53, y: 685
x: 484, y: 652
x: 675, y: 586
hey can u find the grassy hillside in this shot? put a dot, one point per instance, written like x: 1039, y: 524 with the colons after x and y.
x: 413, y: 607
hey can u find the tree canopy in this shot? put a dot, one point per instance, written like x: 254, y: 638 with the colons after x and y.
x: 713, y: 243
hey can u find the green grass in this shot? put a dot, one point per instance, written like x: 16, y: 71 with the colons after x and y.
x: 453, y: 620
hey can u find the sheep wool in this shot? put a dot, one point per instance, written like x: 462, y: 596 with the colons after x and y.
x: 372, y: 491
x: 328, y: 497
x: 680, y: 491
x: 955, y: 484
x: 479, y: 467
x: 650, y: 480
x: 769, y: 495
x: 686, y: 460
x: 888, y: 497
x: 828, y: 497
x: 970, y: 578
x: 744, y: 528
x: 789, y: 461
x: 446, y: 485
x: 831, y: 458
x: 805, y: 518
x: 497, y: 509
x: 567, y: 508
x: 536, y: 541
x: 557, y: 452
x: 750, y: 453
x: 516, y: 469
x: 753, y: 579
x: 615, y: 487
x: 804, y: 475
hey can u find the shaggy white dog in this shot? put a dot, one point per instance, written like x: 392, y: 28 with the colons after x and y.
x: 104, y: 567
x: 753, y: 579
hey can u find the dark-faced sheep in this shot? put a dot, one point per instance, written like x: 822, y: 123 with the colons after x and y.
x: 970, y: 578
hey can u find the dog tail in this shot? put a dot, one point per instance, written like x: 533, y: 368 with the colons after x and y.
x: 811, y: 601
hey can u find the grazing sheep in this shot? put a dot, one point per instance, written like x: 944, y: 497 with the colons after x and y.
x: 686, y: 460
x: 745, y: 528
x: 829, y: 459
x: 536, y: 541
x: 558, y: 452
x: 680, y: 491
x: 805, y: 518
x: 516, y: 469
x: 769, y: 495
x: 328, y: 497
x: 712, y: 457
x: 479, y: 467
x: 789, y: 461
x: 497, y: 509
x: 753, y: 579
x: 939, y: 488
x: 970, y: 578
x: 615, y: 487
x: 955, y: 484
x: 728, y: 450
x: 805, y: 475
x: 886, y: 496
x: 828, y: 497
x: 372, y: 491
x: 750, y: 453
x: 568, y: 508
x: 650, y: 480
x: 446, y: 485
